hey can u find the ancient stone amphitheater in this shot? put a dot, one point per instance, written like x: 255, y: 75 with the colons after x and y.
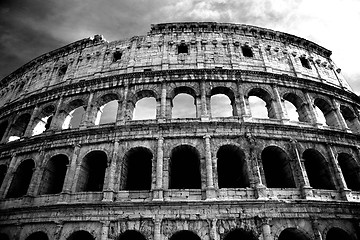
x: 83, y: 156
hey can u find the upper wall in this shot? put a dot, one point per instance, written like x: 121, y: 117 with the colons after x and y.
x: 204, y: 45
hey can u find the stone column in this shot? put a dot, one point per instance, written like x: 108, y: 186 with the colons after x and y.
x: 210, y: 190
x: 315, y: 227
x: 345, y: 192
x: 339, y: 115
x: 86, y: 119
x: 306, y: 189
x: 158, y: 191
x: 157, y: 228
x: 124, y: 104
x: 163, y: 101
x: 311, y: 110
x: 119, y: 115
x: 70, y: 181
x: 256, y: 182
x: 37, y: 175
x: 55, y: 123
x: 105, y: 230
x: 58, y: 230
x: 29, y: 128
x: 266, y: 229
x: 204, y: 108
x: 110, y: 174
x: 213, y: 232
x: 280, y: 109
x: 8, y: 177
x: 244, y: 106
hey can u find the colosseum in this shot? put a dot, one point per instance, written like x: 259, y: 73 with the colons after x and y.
x: 96, y: 142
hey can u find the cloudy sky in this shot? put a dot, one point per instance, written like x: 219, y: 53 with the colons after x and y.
x: 29, y: 28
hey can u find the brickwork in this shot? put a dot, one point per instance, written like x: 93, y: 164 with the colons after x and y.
x: 283, y: 179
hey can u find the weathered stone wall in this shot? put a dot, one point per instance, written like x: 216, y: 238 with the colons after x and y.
x: 321, y: 160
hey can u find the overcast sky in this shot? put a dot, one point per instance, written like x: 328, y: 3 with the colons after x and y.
x: 29, y: 28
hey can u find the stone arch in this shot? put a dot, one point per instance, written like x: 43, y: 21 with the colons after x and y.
x: 21, y: 179
x: 184, y: 168
x: 300, y: 105
x: 81, y: 234
x: 228, y: 93
x: 184, y: 234
x: 292, y: 234
x: 92, y: 172
x: 317, y: 170
x: 187, y: 93
x: 3, y: 170
x: 266, y: 97
x: 328, y: 112
x: 350, y: 170
x: 239, y: 233
x: 131, y: 235
x: 137, y: 169
x: 43, y: 120
x: 3, y: 126
x: 231, y: 167
x: 18, y: 128
x: 336, y: 233
x: 71, y: 116
x: 350, y: 118
x: 277, y: 168
x: 38, y: 236
x: 54, y: 174
x: 107, y: 106
x: 141, y: 97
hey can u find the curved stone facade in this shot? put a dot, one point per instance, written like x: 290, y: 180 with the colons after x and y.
x: 205, y: 176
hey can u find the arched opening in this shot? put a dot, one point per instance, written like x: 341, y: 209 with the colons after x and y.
x: 231, y: 167
x: 240, y: 234
x: 3, y: 170
x: 43, y: 121
x: 131, y: 235
x: 317, y: 170
x: 350, y: 170
x: 222, y: 102
x: 184, y: 103
x: 184, y: 234
x: 337, y: 234
x: 320, y: 118
x: 184, y: 168
x: 277, y: 168
x: 292, y: 234
x: 137, y: 169
x: 3, y: 236
x: 73, y: 119
x: 261, y: 104
x: 145, y: 108
x: 83, y: 235
x: 54, y: 175
x: 3, y: 127
x: 21, y: 179
x: 92, y: 172
x: 220, y: 106
x: 107, y: 113
x: 38, y: 236
x: 183, y: 48
x: 296, y: 108
x: 291, y: 111
x: 247, y: 51
x: 351, y: 119
x: 327, y: 111
x: 19, y: 127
